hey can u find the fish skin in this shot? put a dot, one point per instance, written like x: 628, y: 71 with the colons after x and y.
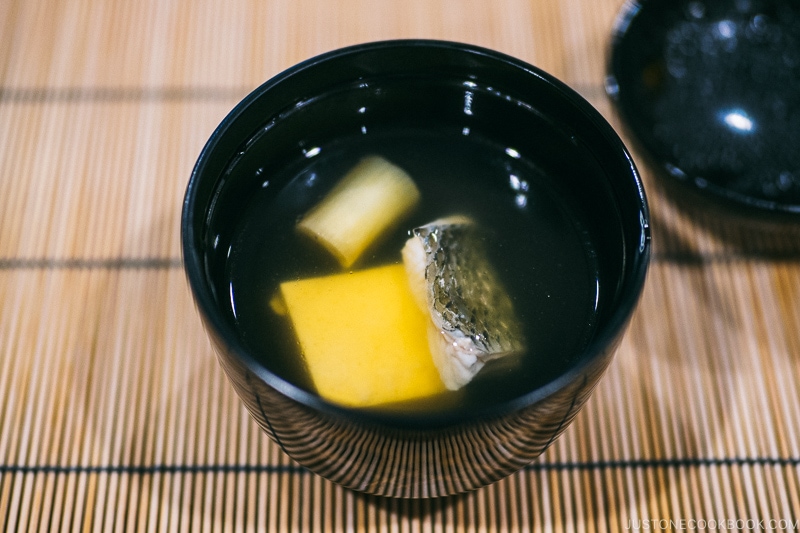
x: 472, y: 316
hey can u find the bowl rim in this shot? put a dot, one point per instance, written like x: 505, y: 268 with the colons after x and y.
x: 729, y: 200
x: 194, y: 265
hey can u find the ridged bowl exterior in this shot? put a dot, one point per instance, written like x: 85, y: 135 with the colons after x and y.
x: 430, y: 456
x: 379, y: 459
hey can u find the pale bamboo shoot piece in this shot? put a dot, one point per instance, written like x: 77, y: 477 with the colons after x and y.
x: 370, y: 200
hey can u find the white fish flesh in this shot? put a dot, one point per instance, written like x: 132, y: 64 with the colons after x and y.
x: 472, y: 316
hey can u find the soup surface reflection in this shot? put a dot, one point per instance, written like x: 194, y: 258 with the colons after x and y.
x: 536, y: 241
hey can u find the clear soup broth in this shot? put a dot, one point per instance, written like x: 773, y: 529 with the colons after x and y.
x: 538, y: 243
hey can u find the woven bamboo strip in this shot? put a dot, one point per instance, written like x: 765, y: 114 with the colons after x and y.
x: 108, y: 367
x: 726, y: 277
x: 93, y: 223
x: 25, y: 45
x: 8, y: 19
x: 134, y: 36
x: 17, y: 140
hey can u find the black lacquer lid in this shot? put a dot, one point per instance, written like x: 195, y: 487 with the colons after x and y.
x: 710, y: 90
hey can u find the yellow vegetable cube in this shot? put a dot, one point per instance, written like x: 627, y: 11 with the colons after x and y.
x: 363, y: 337
x: 369, y: 200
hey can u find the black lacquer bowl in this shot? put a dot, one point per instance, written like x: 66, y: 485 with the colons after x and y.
x: 425, y: 84
x: 710, y: 89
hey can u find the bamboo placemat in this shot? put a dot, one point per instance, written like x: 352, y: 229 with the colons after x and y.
x: 114, y: 414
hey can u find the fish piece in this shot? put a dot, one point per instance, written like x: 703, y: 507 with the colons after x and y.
x: 472, y: 318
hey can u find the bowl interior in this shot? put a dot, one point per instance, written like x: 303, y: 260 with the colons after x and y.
x: 711, y: 91
x: 480, y: 129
